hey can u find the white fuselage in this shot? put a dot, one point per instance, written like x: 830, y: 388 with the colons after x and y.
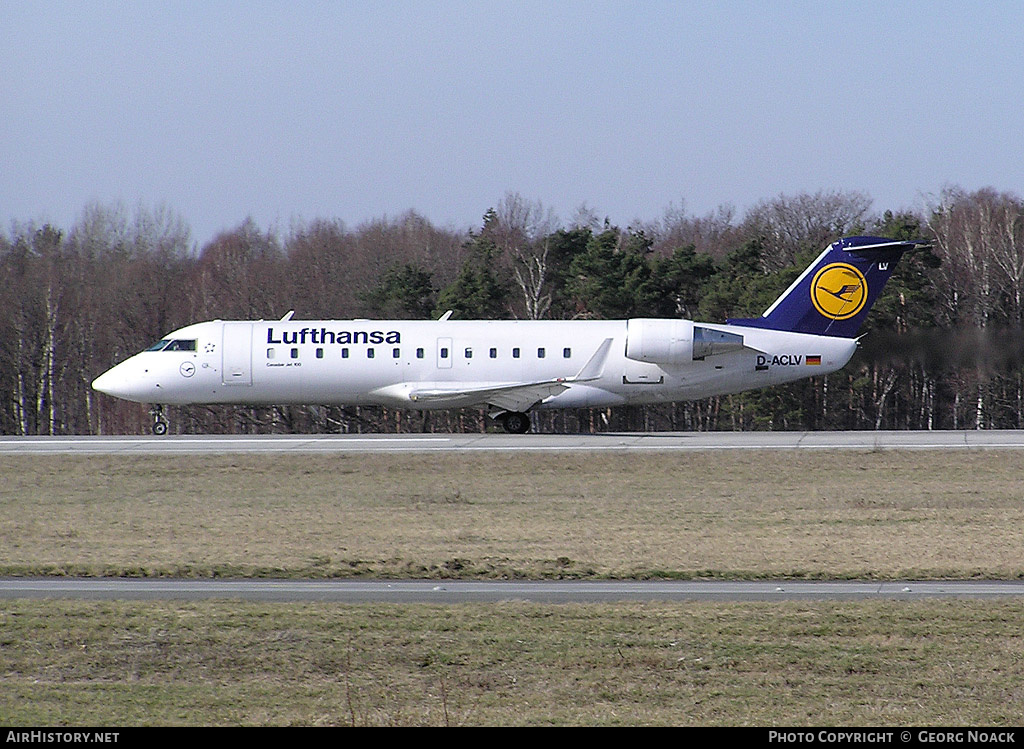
x: 464, y: 363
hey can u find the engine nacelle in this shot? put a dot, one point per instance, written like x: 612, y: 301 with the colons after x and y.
x: 676, y: 341
x: 659, y: 341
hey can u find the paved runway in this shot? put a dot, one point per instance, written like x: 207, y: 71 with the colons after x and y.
x: 679, y: 441
x: 488, y: 591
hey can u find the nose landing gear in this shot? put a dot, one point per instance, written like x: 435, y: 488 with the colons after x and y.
x: 159, y: 423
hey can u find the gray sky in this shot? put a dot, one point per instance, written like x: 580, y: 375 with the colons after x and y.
x: 288, y: 111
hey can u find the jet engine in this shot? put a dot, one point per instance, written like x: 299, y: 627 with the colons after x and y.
x: 676, y: 341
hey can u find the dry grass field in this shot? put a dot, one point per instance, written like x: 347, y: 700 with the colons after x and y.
x: 741, y: 515
x: 793, y: 664
x: 760, y: 514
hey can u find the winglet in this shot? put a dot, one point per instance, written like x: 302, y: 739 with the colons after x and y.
x: 593, y: 369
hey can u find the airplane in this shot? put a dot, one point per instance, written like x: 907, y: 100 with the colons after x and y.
x: 513, y: 367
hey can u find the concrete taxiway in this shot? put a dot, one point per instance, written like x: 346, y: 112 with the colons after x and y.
x: 494, y: 591
x: 678, y: 441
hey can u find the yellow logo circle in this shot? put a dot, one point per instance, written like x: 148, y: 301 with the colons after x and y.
x: 839, y: 291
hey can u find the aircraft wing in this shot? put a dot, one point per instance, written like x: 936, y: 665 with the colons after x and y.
x: 513, y: 396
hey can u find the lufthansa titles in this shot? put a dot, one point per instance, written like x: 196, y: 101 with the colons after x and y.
x: 325, y: 336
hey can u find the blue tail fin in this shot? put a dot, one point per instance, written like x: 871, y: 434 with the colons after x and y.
x: 833, y: 296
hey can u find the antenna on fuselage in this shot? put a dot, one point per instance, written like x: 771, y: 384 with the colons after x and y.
x: 445, y: 316
x: 288, y: 316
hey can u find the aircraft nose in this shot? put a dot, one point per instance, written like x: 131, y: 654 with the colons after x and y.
x: 112, y: 382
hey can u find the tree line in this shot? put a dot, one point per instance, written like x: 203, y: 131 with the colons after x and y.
x: 942, y: 348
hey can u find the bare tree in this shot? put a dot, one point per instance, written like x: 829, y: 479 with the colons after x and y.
x: 965, y: 235
x: 238, y: 275
x: 521, y: 231
x: 714, y: 233
x: 585, y: 217
x: 791, y: 225
x: 320, y: 269
x: 980, y: 239
x: 408, y: 240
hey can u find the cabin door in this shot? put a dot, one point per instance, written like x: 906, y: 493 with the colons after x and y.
x: 236, y: 352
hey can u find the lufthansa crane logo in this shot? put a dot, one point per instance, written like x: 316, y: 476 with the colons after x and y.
x: 839, y: 291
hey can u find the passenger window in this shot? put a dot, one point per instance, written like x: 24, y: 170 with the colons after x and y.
x: 295, y: 353
x: 270, y: 353
x: 444, y: 353
x: 369, y: 353
x: 494, y: 353
x: 567, y: 353
x: 419, y: 353
x: 515, y: 353
x: 540, y: 353
x: 344, y: 353
x: 396, y: 353
x: 469, y: 353
x: 319, y: 353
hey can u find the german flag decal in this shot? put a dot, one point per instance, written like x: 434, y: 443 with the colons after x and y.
x: 813, y: 361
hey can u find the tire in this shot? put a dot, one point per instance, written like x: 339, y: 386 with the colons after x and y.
x: 516, y: 422
x: 159, y: 428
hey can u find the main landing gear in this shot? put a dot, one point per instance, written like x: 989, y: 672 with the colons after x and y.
x: 159, y: 423
x: 515, y: 422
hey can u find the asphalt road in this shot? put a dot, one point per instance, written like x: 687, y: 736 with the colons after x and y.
x: 488, y: 591
x: 945, y: 440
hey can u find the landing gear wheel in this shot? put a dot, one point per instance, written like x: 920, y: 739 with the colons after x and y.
x: 516, y: 422
x: 159, y: 425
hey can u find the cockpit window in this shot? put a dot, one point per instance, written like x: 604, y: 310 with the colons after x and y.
x: 166, y: 345
x: 182, y: 346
